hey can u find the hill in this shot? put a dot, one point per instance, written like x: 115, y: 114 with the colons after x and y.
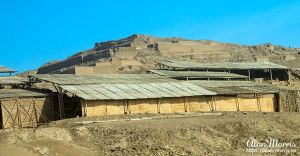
x: 137, y: 53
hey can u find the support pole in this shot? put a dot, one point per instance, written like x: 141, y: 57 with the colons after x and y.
x: 186, y: 105
x: 126, y: 107
x: 158, y: 106
x: 249, y: 75
x: 61, y: 103
x: 271, y: 75
x: 85, y: 108
x: 288, y: 75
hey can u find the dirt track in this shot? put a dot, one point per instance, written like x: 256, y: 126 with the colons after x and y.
x: 224, y: 134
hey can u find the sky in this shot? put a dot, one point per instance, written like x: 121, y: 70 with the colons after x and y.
x: 34, y: 32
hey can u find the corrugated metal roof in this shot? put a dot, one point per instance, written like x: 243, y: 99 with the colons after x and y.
x: 196, y: 74
x: 225, y: 65
x: 136, y: 91
x: 243, y: 90
x: 224, y: 83
x: 69, y: 79
x: 11, y: 80
x: 6, y: 70
x: 14, y: 93
x: 236, y: 87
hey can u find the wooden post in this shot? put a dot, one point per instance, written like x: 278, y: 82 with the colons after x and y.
x: 249, y: 75
x: 85, y: 108
x: 271, y: 75
x: 35, y: 110
x: 126, y: 107
x: 258, y: 102
x: 19, y: 123
x: 158, y: 106
x: 61, y: 103
x: 186, y: 105
x: 287, y: 72
x: 237, y: 104
x: 213, y: 108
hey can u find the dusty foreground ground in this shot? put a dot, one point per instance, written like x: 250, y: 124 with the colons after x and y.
x: 179, y: 134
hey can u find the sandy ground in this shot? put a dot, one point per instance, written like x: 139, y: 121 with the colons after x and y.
x: 179, y: 134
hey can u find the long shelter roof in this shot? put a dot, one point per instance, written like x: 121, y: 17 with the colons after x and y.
x: 136, y: 91
x: 70, y: 79
x: 19, y: 93
x: 236, y: 87
x: 225, y: 65
x: 6, y: 70
x: 196, y: 74
x: 12, y: 80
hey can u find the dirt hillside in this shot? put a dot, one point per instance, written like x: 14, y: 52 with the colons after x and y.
x: 177, y: 134
x: 137, y: 53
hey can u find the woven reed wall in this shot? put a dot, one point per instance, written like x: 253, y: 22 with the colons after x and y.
x: 200, y: 104
x: 225, y: 103
x: 248, y: 104
x: 177, y: 105
x: 143, y: 106
x: 101, y: 108
x: 289, y: 101
x: 265, y: 103
x: 26, y: 112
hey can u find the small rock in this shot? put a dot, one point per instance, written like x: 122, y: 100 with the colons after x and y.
x: 42, y: 150
x: 245, y: 113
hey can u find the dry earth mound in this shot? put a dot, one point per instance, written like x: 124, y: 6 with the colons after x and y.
x: 137, y: 53
x: 187, y: 134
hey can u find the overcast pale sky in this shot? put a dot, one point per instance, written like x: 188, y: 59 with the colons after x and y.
x: 33, y: 32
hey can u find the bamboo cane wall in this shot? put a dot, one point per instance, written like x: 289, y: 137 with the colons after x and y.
x: 289, y: 101
x: 25, y: 112
x: 265, y: 103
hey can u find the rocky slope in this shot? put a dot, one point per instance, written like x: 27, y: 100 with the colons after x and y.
x: 139, y: 52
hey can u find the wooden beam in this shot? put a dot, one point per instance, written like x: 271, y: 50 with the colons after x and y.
x: 186, y: 105
x: 61, y: 103
x: 126, y: 107
x: 85, y: 107
x: 288, y: 75
x: 249, y: 75
x: 271, y: 75
x: 158, y: 105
